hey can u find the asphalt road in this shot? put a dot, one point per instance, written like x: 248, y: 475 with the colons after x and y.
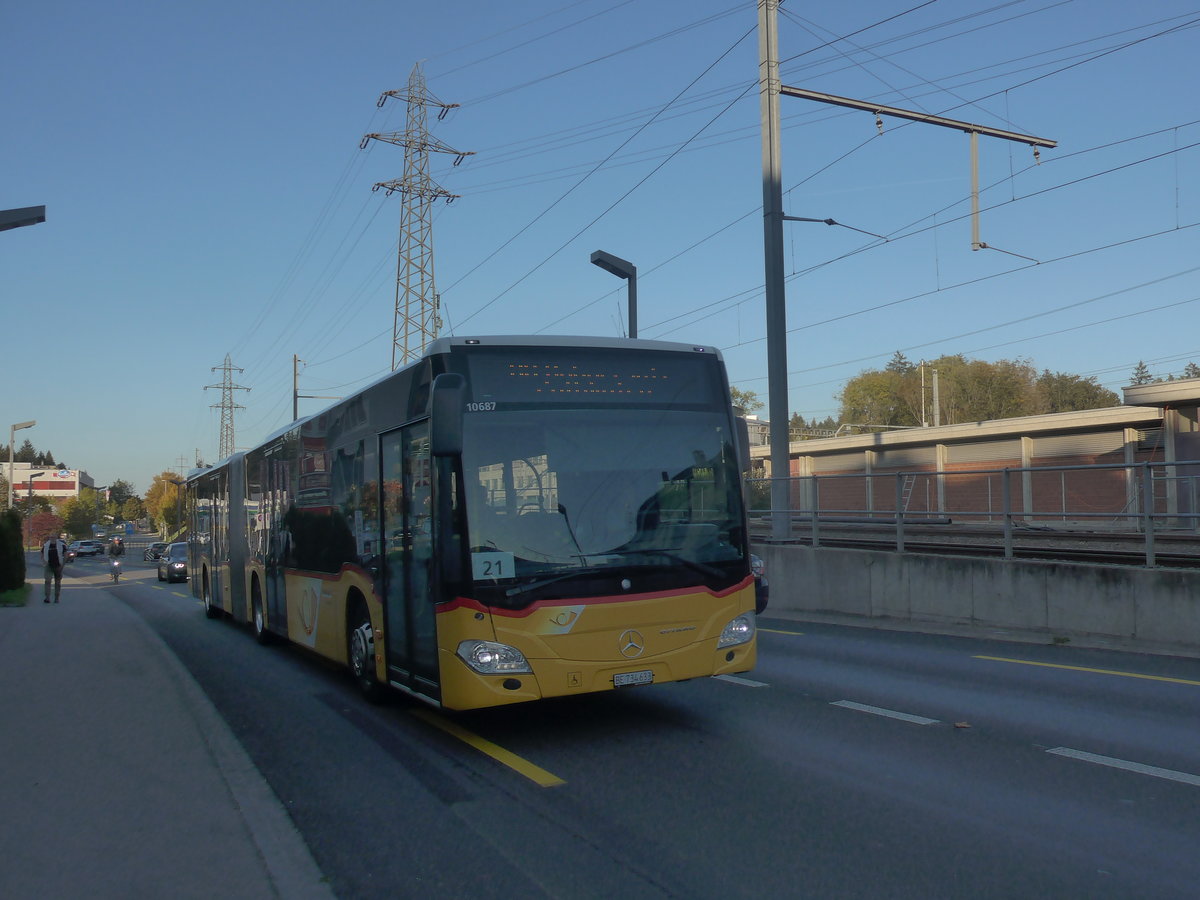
x: 851, y: 763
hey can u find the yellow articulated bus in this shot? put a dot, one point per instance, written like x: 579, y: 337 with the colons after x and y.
x: 505, y: 519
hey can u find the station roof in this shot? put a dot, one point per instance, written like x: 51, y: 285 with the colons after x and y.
x: 1183, y: 392
x: 1106, y: 419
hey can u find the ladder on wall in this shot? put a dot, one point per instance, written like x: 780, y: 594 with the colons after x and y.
x: 906, y: 490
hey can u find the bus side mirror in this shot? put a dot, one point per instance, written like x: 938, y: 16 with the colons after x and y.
x: 446, y: 414
x: 743, y: 442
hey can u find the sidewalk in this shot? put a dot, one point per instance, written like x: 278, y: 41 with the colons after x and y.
x: 118, y: 778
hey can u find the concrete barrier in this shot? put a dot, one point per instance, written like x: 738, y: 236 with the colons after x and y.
x: 1159, y: 606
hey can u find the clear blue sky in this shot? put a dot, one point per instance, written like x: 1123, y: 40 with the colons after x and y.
x: 206, y: 195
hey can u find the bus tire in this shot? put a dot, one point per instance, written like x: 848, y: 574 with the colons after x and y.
x: 360, y: 652
x: 210, y: 611
x: 258, y: 615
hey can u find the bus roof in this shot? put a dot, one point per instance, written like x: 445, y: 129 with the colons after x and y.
x: 441, y: 345
x: 446, y: 344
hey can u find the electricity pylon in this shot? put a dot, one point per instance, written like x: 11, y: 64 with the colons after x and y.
x: 415, y: 321
x: 227, y: 406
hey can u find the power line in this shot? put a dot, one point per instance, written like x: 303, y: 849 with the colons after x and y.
x: 896, y: 235
x: 533, y: 40
x: 607, y: 56
x: 540, y: 215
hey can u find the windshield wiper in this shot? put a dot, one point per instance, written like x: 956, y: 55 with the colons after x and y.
x: 534, y: 585
x: 694, y: 565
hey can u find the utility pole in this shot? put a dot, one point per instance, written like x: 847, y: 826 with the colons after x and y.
x: 227, y: 406
x: 296, y: 395
x: 770, y: 89
x: 777, y: 389
x: 415, y: 320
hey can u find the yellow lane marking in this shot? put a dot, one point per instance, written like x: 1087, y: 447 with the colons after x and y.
x: 779, y: 631
x: 1026, y: 662
x: 504, y: 757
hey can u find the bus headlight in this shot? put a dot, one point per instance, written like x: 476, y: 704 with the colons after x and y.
x: 490, y: 658
x: 739, y: 631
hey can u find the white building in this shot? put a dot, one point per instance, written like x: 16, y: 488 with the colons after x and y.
x: 48, y: 481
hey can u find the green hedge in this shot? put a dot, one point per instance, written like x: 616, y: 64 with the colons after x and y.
x: 12, y: 553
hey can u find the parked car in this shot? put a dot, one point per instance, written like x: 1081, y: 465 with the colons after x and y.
x: 154, y: 551
x: 172, y: 565
x: 88, y: 548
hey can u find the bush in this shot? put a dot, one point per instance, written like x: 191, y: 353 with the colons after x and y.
x: 12, y: 552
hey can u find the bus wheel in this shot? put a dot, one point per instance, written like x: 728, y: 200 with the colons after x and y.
x: 360, y: 651
x: 260, y: 622
x: 209, y: 610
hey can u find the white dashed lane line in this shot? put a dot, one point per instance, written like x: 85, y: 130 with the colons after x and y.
x: 1127, y: 765
x: 889, y: 713
x: 744, y: 682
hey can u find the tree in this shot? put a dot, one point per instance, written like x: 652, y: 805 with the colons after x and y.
x: 899, y: 364
x: 1191, y: 370
x: 133, y: 509
x: 25, y: 453
x: 801, y: 430
x: 44, y: 525
x: 162, y: 500
x: 876, y: 398
x: 969, y: 390
x: 1141, y: 374
x: 77, y: 516
x: 12, y: 551
x: 974, y: 390
x: 1060, y: 392
x: 747, y: 400
x: 120, y: 491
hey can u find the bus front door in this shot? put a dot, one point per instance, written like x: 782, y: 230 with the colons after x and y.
x: 410, y: 632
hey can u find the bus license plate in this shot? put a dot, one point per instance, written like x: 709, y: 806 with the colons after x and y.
x: 627, y: 679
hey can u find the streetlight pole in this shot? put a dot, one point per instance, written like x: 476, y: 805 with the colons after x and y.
x: 12, y: 439
x: 622, y: 269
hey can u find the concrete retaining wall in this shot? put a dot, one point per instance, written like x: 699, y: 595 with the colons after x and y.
x: 1068, y: 599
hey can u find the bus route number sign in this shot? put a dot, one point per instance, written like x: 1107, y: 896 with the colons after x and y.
x: 490, y: 565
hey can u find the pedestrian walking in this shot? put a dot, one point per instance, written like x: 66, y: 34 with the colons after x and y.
x: 54, y: 557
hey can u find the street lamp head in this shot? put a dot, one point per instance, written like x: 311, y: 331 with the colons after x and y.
x: 21, y: 425
x: 622, y: 268
x: 614, y: 264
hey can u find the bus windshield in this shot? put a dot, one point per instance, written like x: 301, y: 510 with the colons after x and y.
x: 592, y: 494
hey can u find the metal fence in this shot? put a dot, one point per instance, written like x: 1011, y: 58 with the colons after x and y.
x: 1137, y: 498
